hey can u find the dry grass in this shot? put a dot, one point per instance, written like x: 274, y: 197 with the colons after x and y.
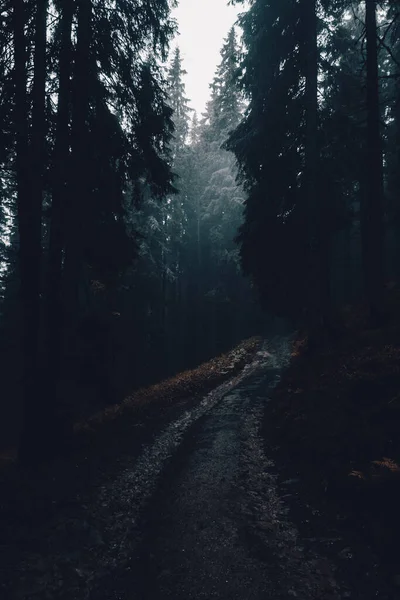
x: 151, y: 403
x: 104, y: 444
x: 166, y: 393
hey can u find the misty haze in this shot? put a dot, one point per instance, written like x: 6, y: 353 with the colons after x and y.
x: 200, y: 300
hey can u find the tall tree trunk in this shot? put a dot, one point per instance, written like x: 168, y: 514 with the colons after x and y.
x: 372, y: 224
x: 30, y: 170
x: 54, y: 313
x: 396, y: 186
x: 79, y: 191
x: 29, y: 314
x: 314, y: 295
x: 164, y: 312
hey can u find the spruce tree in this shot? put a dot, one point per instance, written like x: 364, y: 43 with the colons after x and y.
x: 269, y: 146
x: 77, y: 161
x: 227, y: 101
x: 372, y: 223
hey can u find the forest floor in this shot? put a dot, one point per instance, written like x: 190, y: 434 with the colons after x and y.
x: 196, y: 513
x: 333, y: 429
x: 33, y: 500
x: 268, y: 473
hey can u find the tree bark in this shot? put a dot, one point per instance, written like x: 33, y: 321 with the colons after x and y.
x: 54, y: 313
x: 396, y: 186
x: 372, y: 224
x: 77, y: 212
x: 311, y: 101
x: 316, y: 290
x: 30, y: 169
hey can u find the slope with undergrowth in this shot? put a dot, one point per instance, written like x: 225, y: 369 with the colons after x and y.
x: 100, y: 445
x: 336, y: 417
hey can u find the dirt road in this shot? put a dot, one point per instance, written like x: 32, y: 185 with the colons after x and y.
x: 199, y: 514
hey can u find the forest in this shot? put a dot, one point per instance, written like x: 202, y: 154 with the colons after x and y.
x: 119, y: 211
x: 128, y: 220
x: 155, y: 255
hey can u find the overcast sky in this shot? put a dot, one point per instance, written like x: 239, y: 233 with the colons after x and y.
x: 203, y: 25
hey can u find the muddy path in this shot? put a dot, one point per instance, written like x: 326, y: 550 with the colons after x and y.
x: 206, y: 519
x: 199, y: 514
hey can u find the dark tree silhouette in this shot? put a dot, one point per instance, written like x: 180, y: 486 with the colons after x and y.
x: 29, y: 173
x: 372, y: 222
x: 123, y: 207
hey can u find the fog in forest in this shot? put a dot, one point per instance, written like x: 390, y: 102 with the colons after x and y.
x: 199, y: 299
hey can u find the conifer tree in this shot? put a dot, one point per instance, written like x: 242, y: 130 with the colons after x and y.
x: 77, y: 160
x: 178, y: 101
x: 269, y: 147
x: 372, y: 222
